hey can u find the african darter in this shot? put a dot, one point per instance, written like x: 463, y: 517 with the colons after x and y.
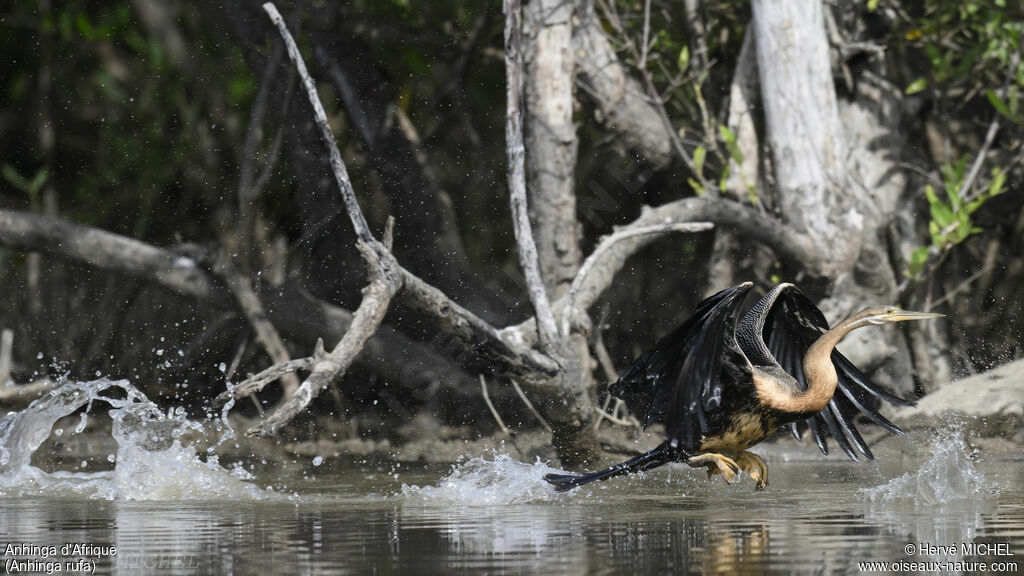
x: 720, y: 386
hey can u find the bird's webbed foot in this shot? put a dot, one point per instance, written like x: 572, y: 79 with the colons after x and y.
x: 716, y: 464
x: 753, y: 465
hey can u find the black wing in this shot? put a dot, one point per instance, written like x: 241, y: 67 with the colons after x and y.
x: 679, y: 380
x: 792, y: 325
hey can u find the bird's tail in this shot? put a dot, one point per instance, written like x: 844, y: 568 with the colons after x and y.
x: 663, y: 454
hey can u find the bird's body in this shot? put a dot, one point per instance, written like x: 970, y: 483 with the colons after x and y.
x: 721, y: 383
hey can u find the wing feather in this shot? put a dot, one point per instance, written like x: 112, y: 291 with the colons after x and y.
x: 679, y: 380
x: 792, y: 325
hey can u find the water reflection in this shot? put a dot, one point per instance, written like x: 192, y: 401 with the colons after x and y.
x: 814, y: 519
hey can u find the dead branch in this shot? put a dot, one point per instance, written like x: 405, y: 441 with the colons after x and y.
x: 547, y: 332
x: 725, y: 214
x: 384, y: 280
x: 6, y: 347
x: 452, y: 318
x: 620, y: 102
x: 530, y: 406
x: 474, y: 332
x: 348, y: 195
x: 490, y: 406
x: 298, y: 315
x: 569, y: 309
x: 253, y: 310
x: 257, y: 382
x: 367, y: 318
x: 654, y: 96
x: 34, y: 232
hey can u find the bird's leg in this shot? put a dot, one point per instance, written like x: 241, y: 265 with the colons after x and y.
x: 716, y: 464
x: 753, y: 465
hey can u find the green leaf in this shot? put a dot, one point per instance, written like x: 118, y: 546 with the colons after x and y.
x: 963, y: 228
x: 730, y: 142
x: 699, y: 155
x: 917, y: 260
x: 697, y: 188
x: 933, y: 229
x: 38, y: 181
x: 15, y: 179
x: 942, y: 214
x: 684, y: 59
x: 916, y: 86
x: 723, y: 181
x: 998, y: 104
x: 872, y: 5
x: 998, y: 180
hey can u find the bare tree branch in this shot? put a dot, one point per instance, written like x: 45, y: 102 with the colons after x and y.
x: 109, y: 251
x: 348, y: 195
x: 478, y: 335
x: 993, y: 128
x: 548, y: 333
x: 258, y: 381
x: 725, y: 214
x: 620, y: 102
x: 251, y: 306
x: 367, y: 318
x: 530, y: 407
x: 385, y: 281
x: 655, y: 98
x: 569, y: 309
x: 490, y: 406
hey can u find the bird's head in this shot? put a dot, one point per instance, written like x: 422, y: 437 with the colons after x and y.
x: 879, y: 315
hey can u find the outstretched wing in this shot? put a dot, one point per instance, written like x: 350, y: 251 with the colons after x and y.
x: 792, y: 325
x: 679, y: 380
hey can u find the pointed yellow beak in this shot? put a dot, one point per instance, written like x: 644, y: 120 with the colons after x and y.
x: 899, y: 315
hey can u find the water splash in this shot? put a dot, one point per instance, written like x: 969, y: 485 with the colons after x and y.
x: 948, y: 475
x: 151, y: 461
x: 503, y: 480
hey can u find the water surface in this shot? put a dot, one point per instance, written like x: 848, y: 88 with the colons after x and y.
x: 813, y: 519
x: 168, y: 510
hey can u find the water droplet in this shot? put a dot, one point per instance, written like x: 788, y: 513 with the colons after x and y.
x: 58, y: 432
x: 39, y: 356
x: 223, y: 367
x: 111, y: 458
x: 318, y: 460
x: 84, y: 463
x: 160, y: 352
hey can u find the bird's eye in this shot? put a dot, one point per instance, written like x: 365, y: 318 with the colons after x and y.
x: 890, y: 311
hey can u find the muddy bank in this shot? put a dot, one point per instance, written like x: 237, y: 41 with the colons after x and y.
x: 988, y: 405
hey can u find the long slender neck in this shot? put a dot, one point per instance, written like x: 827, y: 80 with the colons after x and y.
x: 818, y: 368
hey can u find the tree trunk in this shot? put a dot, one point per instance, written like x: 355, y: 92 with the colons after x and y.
x: 551, y: 142
x: 829, y: 187
x: 802, y: 118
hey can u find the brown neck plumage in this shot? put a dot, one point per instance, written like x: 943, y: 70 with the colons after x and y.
x: 819, y: 372
x: 818, y: 368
